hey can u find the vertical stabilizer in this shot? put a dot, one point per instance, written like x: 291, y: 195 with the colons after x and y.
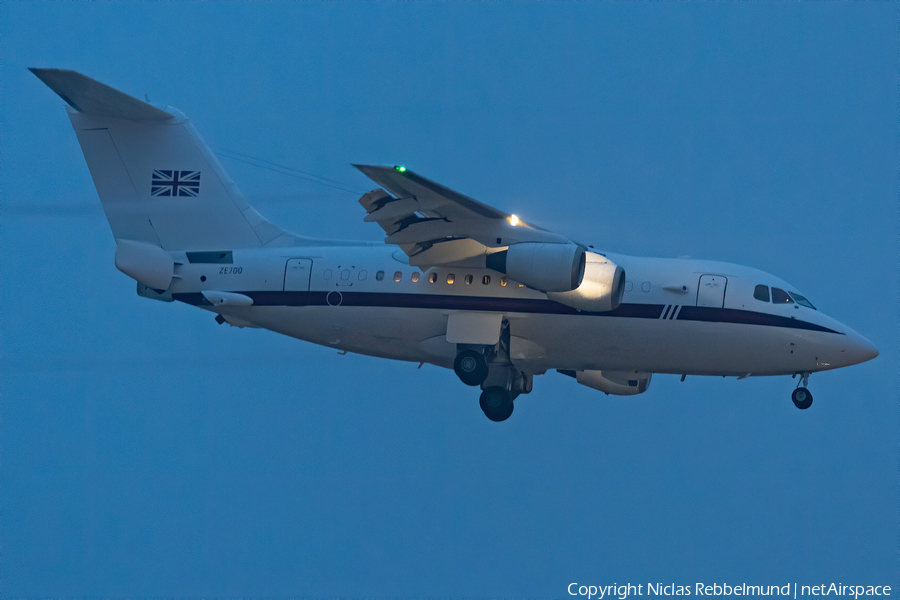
x: 157, y: 180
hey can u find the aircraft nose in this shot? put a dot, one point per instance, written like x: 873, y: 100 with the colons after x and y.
x: 858, y: 349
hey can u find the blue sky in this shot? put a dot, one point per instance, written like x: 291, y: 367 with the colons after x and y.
x: 147, y: 451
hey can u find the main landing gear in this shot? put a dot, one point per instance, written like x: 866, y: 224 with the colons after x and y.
x: 497, y: 403
x: 801, y: 396
x: 471, y: 367
x: 491, y: 368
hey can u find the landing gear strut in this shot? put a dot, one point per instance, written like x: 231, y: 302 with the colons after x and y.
x: 801, y: 396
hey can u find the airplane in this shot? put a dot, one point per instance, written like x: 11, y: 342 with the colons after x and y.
x: 456, y: 283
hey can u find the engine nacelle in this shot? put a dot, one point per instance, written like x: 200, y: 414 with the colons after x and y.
x: 601, y: 288
x: 544, y: 267
x: 620, y: 383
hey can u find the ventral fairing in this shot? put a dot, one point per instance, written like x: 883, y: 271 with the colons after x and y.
x: 457, y: 283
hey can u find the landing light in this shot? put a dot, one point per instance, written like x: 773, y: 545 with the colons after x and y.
x: 513, y: 220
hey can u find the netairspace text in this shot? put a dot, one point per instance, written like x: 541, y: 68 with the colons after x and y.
x: 791, y: 590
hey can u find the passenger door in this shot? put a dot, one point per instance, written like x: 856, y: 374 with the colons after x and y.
x: 296, y: 274
x: 711, y: 291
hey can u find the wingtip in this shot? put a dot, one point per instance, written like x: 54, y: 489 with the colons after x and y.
x: 369, y: 169
x: 43, y: 73
x: 40, y: 73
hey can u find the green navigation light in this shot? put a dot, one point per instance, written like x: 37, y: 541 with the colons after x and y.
x: 400, y: 169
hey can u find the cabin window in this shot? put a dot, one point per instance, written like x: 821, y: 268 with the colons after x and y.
x: 503, y: 281
x: 451, y: 278
x: 432, y: 278
x: 468, y: 279
x: 645, y: 287
x: 801, y: 300
x: 486, y: 279
x: 398, y: 276
x: 379, y: 276
x: 761, y: 292
x: 780, y: 296
x: 327, y: 274
x: 363, y: 275
x: 414, y: 277
x: 629, y: 286
x: 345, y: 274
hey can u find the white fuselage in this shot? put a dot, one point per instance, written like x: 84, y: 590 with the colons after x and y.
x: 365, y: 298
x: 496, y: 299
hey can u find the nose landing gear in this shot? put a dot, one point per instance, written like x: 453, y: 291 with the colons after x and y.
x: 801, y: 396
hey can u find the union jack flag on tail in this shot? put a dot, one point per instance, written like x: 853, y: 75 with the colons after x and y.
x: 175, y: 183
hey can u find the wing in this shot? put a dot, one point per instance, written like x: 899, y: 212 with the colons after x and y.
x: 435, y: 225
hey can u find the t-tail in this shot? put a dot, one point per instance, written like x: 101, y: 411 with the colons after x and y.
x: 161, y: 187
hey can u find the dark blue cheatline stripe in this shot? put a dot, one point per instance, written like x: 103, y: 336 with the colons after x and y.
x: 711, y: 314
x: 516, y: 305
x: 436, y: 301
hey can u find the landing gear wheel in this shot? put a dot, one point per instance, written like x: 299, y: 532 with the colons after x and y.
x: 471, y: 367
x: 802, y: 398
x: 496, y: 403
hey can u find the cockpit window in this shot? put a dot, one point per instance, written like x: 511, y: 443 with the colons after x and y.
x: 801, y: 300
x: 780, y: 296
x: 761, y: 292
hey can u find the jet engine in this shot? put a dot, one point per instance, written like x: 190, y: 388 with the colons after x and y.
x: 543, y: 266
x: 620, y: 383
x: 601, y: 288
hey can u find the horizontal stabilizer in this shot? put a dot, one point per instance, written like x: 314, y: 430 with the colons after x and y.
x: 94, y: 98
